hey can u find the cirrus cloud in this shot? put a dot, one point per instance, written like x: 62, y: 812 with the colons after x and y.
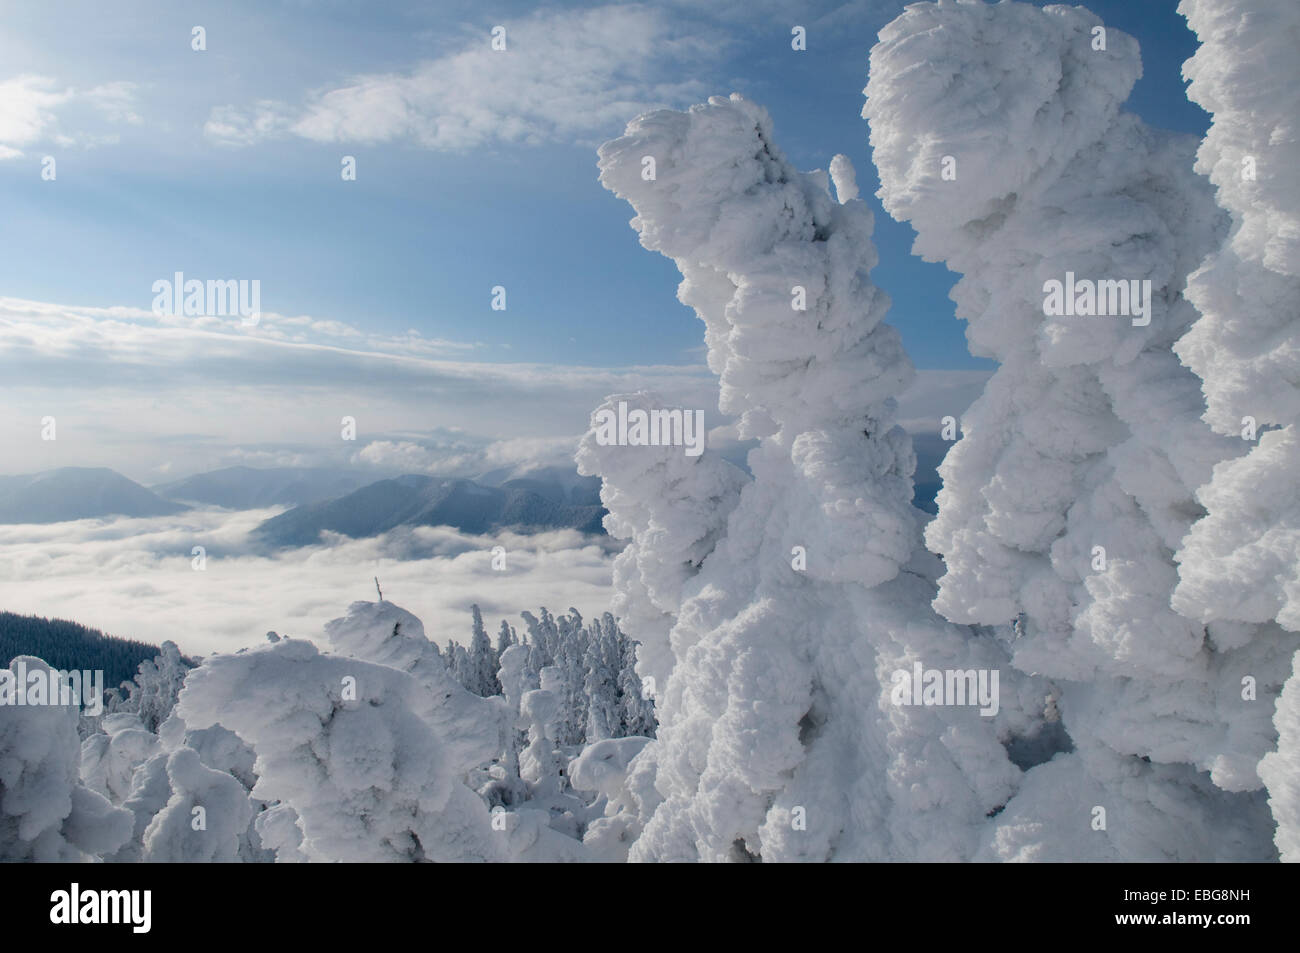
x: 564, y: 76
x: 30, y: 108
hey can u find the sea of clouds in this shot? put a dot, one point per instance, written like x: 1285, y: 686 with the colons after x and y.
x: 135, y: 578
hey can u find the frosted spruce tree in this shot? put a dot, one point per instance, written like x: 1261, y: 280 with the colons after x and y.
x: 600, y: 685
x: 778, y: 738
x: 998, y: 134
x: 1241, y: 562
x: 482, y: 659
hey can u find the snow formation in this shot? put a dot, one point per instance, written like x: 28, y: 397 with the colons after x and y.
x: 1241, y: 562
x: 998, y: 134
x: 778, y: 738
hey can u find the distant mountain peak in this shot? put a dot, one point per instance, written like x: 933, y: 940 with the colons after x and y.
x: 426, y: 500
x: 75, y: 493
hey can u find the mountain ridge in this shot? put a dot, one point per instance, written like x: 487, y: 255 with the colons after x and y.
x: 419, y: 500
x: 75, y: 493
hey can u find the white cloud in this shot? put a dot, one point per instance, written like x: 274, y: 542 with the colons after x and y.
x: 564, y: 76
x: 402, y: 455
x: 30, y: 107
x: 936, y: 394
x: 132, y: 391
x: 135, y: 392
x: 134, y: 578
x: 468, y: 455
x: 232, y: 126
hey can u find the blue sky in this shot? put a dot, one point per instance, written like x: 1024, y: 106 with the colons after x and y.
x: 475, y: 169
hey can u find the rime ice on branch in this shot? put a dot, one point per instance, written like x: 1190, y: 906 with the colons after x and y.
x: 777, y: 736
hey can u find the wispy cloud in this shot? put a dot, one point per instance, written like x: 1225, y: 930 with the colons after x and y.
x: 564, y: 76
x: 466, y: 455
x: 136, y: 391
x: 31, y: 107
x: 936, y: 394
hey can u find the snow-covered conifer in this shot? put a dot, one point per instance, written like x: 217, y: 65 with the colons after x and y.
x: 505, y: 638
x: 672, y: 509
x: 46, y: 813
x: 467, y: 726
x: 205, y: 817
x: 998, y: 134
x: 600, y: 684
x: 777, y: 737
x: 342, y: 742
x: 152, y: 693
x: 1241, y: 562
x: 482, y: 659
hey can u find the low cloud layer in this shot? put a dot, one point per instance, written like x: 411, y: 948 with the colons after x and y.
x: 135, y: 578
x: 159, y: 397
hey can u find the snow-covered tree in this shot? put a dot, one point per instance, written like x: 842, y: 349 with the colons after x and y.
x: 46, y: 813
x: 603, y: 767
x: 482, y: 659
x: 149, y: 794
x: 600, y: 684
x: 777, y: 736
x: 1280, y: 769
x: 342, y: 742
x: 635, y: 696
x: 1241, y: 562
x: 998, y: 134
x: 506, y: 637
x: 205, y: 817
x: 507, y: 788
x: 570, y: 680
x: 110, y: 757
x: 279, y: 832
x: 458, y: 664
x: 560, y: 642
x: 152, y: 693
x: 467, y: 726
x: 672, y: 509
x: 388, y: 784
x: 541, y: 763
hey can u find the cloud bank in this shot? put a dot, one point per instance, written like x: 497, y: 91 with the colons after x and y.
x: 135, y: 578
